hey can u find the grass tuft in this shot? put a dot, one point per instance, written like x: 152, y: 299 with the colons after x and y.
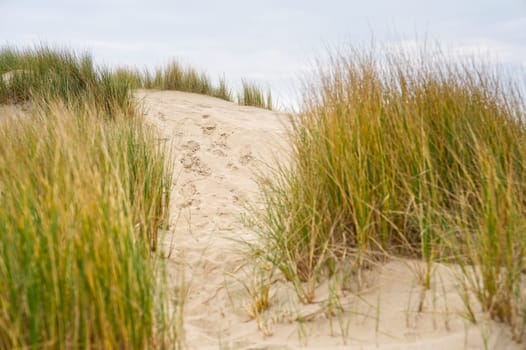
x: 45, y: 74
x: 176, y: 77
x: 252, y: 95
x: 84, y: 190
x: 415, y: 156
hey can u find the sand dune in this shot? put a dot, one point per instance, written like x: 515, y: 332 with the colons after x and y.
x: 218, y: 146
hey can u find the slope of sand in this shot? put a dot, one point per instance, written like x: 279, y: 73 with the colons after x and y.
x: 218, y: 146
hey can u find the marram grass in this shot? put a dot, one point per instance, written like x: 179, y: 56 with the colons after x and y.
x: 82, y: 199
x: 405, y: 155
x: 45, y: 74
x: 253, y: 95
x: 175, y: 76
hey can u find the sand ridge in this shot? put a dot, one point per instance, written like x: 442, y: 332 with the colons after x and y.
x: 218, y: 146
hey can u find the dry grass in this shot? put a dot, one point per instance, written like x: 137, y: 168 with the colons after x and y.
x: 45, y: 74
x: 407, y: 155
x: 253, y: 95
x: 174, y: 76
x: 84, y: 190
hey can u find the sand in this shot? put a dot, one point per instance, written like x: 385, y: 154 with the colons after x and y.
x: 7, y: 77
x: 218, y: 147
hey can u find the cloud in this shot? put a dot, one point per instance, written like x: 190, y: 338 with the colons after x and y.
x: 115, y: 45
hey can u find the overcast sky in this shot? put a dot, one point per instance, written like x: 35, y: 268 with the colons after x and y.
x: 271, y: 41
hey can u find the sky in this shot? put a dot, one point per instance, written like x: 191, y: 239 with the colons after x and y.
x: 272, y: 42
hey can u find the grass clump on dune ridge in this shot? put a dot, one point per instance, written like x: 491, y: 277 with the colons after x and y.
x: 45, y: 74
x: 176, y: 77
x: 418, y: 157
x: 252, y: 95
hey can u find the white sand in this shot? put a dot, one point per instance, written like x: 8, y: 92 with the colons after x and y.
x: 218, y: 145
x: 7, y: 77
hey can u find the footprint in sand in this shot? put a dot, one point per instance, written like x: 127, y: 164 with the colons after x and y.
x: 182, y: 203
x: 194, y: 164
x: 218, y: 152
x: 221, y: 141
x: 191, y: 147
x: 161, y: 116
x: 209, y: 128
x: 219, y: 145
x: 245, y: 156
x: 188, y: 190
x: 238, y: 197
x: 231, y: 166
x: 188, y: 194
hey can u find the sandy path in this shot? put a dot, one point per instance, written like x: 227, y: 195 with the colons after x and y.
x: 218, y: 145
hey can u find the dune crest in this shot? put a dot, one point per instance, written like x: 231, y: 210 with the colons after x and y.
x: 218, y: 146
